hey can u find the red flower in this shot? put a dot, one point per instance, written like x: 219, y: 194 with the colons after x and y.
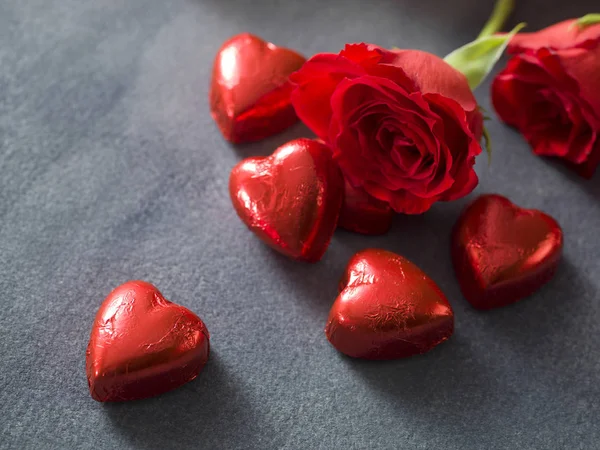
x: 550, y: 91
x: 403, y: 125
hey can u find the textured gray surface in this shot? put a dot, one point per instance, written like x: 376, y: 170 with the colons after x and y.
x: 111, y: 169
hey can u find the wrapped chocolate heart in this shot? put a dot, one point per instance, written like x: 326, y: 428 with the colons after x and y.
x: 291, y: 200
x: 503, y: 253
x: 142, y: 345
x: 387, y: 308
x: 250, y: 91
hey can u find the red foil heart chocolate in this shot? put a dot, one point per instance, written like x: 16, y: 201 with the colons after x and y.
x: 291, y: 199
x: 142, y: 345
x: 250, y: 91
x: 364, y: 214
x: 502, y: 253
x: 387, y: 308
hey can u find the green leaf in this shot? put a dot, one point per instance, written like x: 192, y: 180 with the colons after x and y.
x: 587, y: 20
x: 487, y: 141
x: 502, y: 9
x: 477, y: 59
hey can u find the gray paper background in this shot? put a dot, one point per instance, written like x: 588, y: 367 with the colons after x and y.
x: 111, y: 169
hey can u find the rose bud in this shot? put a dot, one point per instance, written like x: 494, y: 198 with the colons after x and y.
x: 403, y: 125
x: 550, y: 91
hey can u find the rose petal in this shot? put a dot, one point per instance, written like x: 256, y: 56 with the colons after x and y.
x: 583, y: 66
x: 588, y: 168
x: 366, y: 55
x: 315, y: 83
x: 463, y: 145
x: 564, y: 34
x: 432, y: 74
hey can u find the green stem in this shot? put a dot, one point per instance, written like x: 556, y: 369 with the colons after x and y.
x: 501, y: 11
x: 588, y: 19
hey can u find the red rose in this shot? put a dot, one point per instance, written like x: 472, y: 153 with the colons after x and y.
x: 403, y: 125
x: 550, y: 91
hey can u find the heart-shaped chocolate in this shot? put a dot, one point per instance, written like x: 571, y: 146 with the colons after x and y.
x: 250, y: 91
x: 502, y: 253
x: 291, y: 199
x: 388, y: 308
x: 364, y: 214
x: 142, y: 345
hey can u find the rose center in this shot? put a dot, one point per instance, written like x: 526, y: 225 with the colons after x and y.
x: 549, y: 107
x: 403, y: 150
x: 406, y: 154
